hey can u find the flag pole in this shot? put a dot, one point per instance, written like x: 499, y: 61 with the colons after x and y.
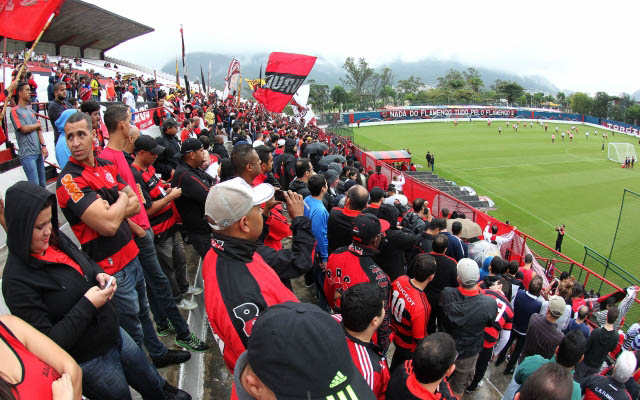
x: 26, y: 59
x: 239, y: 90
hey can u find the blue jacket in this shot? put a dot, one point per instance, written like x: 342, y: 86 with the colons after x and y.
x: 457, y: 248
x: 319, y: 216
x: 62, y: 150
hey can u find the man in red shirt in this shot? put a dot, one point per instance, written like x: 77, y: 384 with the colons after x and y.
x: 117, y: 118
x: 425, y: 377
x: 238, y: 283
x: 362, y: 314
x: 96, y: 201
x: 377, y: 179
x: 410, y: 308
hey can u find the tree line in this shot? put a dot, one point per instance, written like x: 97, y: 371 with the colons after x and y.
x: 363, y: 87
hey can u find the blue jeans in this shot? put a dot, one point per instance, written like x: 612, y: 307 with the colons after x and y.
x: 33, y: 167
x: 131, y: 302
x: 109, y: 375
x: 161, y: 300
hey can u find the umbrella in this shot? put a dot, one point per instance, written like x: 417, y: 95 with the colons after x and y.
x: 315, y: 147
x: 331, y: 158
x: 469, y: 228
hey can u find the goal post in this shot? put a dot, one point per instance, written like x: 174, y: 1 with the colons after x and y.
x: 618, y: 152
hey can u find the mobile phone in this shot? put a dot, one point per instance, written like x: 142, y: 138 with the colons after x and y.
x: 279, y: 195
x: 109, y: 283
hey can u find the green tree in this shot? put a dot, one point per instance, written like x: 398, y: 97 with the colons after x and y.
x: 632, y: 114
x: 538, y: 98
x: 319, y: 96
x: 338, y: 96
x: 616, y: 112
x: 388, y: 94
x: 600, y: 105
x: 410, y: 85
x: 581, y: 103
x: 472, y: 77
x: 508, y: 90
x: 453, y: 80
x: 358, y: 77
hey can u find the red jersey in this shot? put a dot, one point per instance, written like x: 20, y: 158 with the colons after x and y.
x: 504, y: 319
x: 151, y: 189
x: 78, y: 186
x: 527, y: 276
x: 405, y: 386
x: 238, y: 286
x: 377, y: 180
x: 411, y: 311
x: 371, y: 365
x: 37, y: 376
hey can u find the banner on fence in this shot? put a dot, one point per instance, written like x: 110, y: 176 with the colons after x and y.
x: 452, y: 112
x: 621, y: 127
x: 143, y: 117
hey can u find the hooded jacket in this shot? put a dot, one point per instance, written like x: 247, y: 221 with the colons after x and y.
x: 50, y: 296
x: 300, y: 187
x: 169, y: 158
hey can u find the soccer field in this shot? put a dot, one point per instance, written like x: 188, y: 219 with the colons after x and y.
x: 535, y: 184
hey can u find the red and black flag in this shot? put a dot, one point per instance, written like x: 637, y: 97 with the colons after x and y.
x: 284, y: 74
x: 184, y: 65
x: 24, y: 20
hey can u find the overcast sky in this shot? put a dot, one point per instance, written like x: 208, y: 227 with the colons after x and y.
x: 577, y: 45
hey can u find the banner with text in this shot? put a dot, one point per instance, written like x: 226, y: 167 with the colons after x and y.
x: 453, y: 112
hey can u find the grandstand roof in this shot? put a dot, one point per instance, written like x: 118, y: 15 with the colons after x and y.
x: 86, y: 25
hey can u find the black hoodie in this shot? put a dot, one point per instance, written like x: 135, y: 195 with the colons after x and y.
x: 50, y: 296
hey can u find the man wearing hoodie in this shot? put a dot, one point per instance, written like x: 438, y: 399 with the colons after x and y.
x: 285, y: 165
x: 167, y: 162
x: 304, y: 170
x: 57, y: 106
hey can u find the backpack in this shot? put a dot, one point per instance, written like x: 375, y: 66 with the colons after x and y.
x: 85, y: 94
x: 412, y: 223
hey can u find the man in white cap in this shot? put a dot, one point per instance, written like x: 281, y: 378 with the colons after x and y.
x: 238, y: 283
x: 466, y: 313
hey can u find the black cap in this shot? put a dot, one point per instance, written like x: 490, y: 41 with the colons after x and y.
x: 389, y: 213
x: 189, y: 145
x: 168, y: 123
x: 367, y: 226
x: 147, y: 143
x: 300, y: 352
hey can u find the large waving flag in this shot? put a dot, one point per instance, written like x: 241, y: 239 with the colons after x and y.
x: 231, y: 80
x: 24, y: 20
x: 301, y: 107
x: 284, y: 75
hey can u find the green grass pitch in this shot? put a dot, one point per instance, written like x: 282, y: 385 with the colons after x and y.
x: 535, y: 184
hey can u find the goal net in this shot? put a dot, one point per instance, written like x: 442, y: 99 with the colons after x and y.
x: 618, y: 152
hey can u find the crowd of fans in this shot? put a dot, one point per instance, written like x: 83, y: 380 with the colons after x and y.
x: 234, y: 181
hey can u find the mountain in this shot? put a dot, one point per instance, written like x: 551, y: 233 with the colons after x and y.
x: 636, y: 95
x: 329, y: 73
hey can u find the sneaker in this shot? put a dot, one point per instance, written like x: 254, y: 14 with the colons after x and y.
x: 471, y: 389
x: 172, y: 357
x: 166, y: 330
x: 192, y: 343
x: 187, y: 305
x: 192, y: 291
x: 173, y: 393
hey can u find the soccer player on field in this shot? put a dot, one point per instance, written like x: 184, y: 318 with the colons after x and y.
x: 563, y: 136
x: 553, y: 138
x: 499, y: 130
x: 556, y: 129
x: 587, y: 134
x: 571, y: 136
x: 410, y: 308
x: 531, y: 124
x: 546, y: 127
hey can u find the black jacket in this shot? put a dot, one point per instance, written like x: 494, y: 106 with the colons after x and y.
x: 466, y: 313
x: 220, y: 150
x: 48, y: 296
x: 446, y: 276
x: 424, y: 244
x: 195, y: 184
x: 392, y: 250
x: 168, y: 160
x: 300, y: 187
x: 340, y: 227
x: 284, y: 168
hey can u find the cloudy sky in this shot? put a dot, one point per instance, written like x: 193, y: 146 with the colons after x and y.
x: 577, y: 45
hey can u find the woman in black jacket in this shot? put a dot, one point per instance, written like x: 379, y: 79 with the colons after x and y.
x: 52, y: 285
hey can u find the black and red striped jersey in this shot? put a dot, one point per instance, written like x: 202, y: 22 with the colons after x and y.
x: 504, y: 319
x: 405, y: 386
x: 238, y: 286
x: 348, y: 266
x: 372, y: 366
x: 410, y: 312
x: 151, y: 189
x: 78, y: 186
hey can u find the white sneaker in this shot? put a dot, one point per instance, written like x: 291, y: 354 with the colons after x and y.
x: 193, y: 290
x: 187, y: 305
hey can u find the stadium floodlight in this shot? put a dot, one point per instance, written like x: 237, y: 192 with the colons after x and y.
x: 618, y: 152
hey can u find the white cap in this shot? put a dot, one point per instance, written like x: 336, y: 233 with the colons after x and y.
x: 468, y: 271
x: 281, y: 142
x: 231, y: 200
x: 258, y: 143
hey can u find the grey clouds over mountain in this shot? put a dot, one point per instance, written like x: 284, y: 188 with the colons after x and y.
x: 329, y: 73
